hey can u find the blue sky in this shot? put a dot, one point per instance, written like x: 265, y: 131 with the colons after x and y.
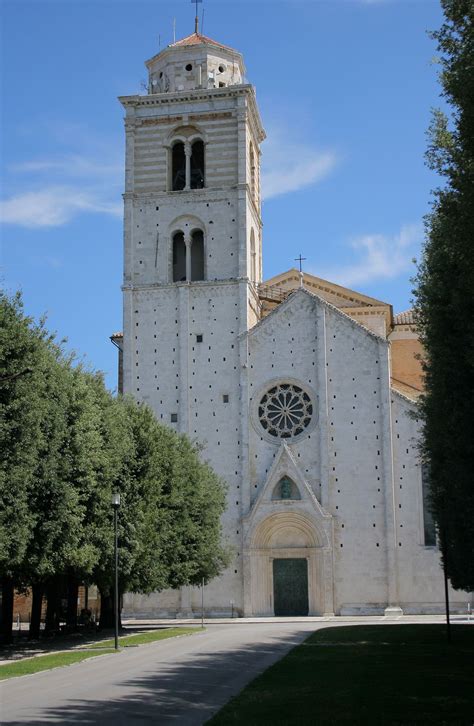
x: 345, y: 89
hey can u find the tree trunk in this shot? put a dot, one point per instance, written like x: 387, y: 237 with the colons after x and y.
x: 52, y: 609
x: 72, y: 593
x: 6, y: 624
x: 36, y: 608
x: 107, y: 610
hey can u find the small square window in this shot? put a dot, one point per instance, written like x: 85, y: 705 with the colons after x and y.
x: 174, y: 418
x: 225, y: 398
x: 199, y: 338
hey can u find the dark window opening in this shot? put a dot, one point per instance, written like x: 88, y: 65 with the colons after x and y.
x: 197, y: 255
x: 178, y: 174
x: 252, y: 171
x: 174, y: 418
x: 199, y: 338
x: 225, y: 398
x: 428, y: 520
x: 253, y: 257
x: 189, y: 67
x: 286, y: 489
x: 197, y: 165
x: 179, y: 257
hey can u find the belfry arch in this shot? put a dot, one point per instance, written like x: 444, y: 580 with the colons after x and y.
x: 187, y: 250
x: 186, y: 158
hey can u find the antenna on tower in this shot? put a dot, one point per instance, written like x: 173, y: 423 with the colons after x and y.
x: 202, y: 20
x: 159, y: 42
x: 174, y: 30
x: 196, y: 19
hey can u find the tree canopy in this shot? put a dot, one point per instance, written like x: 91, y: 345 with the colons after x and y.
x: 444, y: 297
x: 67, y: 444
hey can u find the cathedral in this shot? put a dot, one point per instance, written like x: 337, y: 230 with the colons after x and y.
x: 301, y: 392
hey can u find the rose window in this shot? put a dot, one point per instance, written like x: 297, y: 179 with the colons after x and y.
x: 285, y: 410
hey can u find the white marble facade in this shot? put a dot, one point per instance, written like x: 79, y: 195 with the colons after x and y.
x: 295, y: 408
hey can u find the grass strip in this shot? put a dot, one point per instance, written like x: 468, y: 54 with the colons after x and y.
x: 364, y: 674
x: 149, y: 636
x: 26, y: 666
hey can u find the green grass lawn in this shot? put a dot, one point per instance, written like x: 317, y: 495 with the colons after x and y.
x: 27, y: 666
x: 147, y: 637
x: 365, y: 674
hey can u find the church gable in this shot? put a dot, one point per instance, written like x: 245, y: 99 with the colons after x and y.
x: 373, y: 314
x: 308, y: 347
x: 337, y: 295
x: 299, y: 303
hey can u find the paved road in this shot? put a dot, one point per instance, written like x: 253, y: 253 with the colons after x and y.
x: 178, y: 681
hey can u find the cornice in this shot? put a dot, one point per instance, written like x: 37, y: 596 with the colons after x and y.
x: 214, y: 194
x: 209, y: 94
x: 130, y: 286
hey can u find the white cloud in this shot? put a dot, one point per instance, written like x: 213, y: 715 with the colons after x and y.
x: 53, y: 195
x: 290, y: 166
x: 53, y: 207
x: 71, y: 165
x: 50, y: 191
x: 380, y: 257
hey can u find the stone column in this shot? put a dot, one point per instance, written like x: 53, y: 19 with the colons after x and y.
x: 187, y: 152
x: 188, y: 243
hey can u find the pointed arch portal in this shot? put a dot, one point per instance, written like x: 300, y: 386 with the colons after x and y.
x: 288, y: 567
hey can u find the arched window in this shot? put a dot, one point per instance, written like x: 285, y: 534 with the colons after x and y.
x: 197, y: 164
x: 178, y: 167
x: 197, y: 255
x: 179, y: 257
x: 252, y: 171
x: 286, y: 489
x: 253, y: 257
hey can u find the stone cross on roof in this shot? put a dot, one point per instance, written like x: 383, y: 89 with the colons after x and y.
x: 196, y: 19
x: 300, y: 260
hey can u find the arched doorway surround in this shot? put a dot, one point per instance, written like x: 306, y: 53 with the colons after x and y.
x: 292, y: 535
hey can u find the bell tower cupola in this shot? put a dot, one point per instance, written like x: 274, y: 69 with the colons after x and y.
x: 192, y: 172
x: 192, y: 63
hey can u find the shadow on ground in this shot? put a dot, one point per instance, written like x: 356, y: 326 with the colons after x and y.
x: 185, y: 693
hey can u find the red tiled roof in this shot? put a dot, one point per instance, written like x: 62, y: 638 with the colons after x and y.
x: 197, y: 39
x: 404, y: 318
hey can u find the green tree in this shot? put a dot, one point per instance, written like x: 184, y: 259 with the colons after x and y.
x: 169, y: 520
x: 22, y: 345
x: 67, y: 444
x: 68, y: 489
x: 444, y: 297
x: 52, y: 449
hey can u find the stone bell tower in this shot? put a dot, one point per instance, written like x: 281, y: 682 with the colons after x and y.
x: 192, y: 260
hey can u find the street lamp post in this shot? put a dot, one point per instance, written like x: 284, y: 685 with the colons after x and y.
x: 116, y: 505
